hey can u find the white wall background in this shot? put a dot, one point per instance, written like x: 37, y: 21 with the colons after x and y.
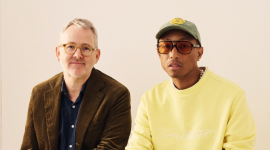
x: 0, y: 84
x: 235, y: 36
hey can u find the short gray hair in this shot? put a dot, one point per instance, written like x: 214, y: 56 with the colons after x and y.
x: 83, y: 23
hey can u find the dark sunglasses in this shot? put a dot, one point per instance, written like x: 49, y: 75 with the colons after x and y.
x: 183, y: 47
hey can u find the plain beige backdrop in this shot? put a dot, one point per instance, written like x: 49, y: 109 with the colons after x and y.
x: 235, y: 36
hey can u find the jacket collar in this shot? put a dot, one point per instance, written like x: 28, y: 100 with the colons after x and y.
x: 90, y: 103
x: 52, y: 103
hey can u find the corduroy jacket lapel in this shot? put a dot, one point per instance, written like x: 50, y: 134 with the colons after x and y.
x: 52, y: 103
x: 91, y: 100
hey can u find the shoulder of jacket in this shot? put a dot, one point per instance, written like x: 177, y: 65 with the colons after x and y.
x: 111, y: 82
x: 47, y: 84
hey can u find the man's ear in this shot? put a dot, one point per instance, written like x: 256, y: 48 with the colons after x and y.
x: 97, y: 55
x: 57, y: 53
x: 200, y: 53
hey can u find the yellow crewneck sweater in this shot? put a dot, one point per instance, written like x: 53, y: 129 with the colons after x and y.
x: 211, y: 115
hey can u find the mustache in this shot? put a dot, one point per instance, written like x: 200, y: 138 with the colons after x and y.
x: 175, y: 61
x: 77, y: 60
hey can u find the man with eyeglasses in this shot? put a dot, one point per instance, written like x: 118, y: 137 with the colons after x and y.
x: 195, y: 109
x: 80, y: 108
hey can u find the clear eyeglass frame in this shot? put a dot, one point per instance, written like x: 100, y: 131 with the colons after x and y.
x: 76, y: 48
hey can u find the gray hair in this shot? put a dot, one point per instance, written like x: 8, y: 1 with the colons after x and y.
x: 83, y: 23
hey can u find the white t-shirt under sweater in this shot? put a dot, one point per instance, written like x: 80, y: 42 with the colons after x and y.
x: 211, y: 115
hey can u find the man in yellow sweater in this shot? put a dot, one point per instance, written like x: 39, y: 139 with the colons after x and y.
x: 195, y: 109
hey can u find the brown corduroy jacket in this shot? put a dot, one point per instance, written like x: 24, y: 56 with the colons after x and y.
x: 104, y: 120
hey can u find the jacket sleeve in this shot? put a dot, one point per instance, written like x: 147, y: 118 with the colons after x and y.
x: 141, y: 136
x: 118, y: 123
x: 29, y: 139
x: 241, y: 131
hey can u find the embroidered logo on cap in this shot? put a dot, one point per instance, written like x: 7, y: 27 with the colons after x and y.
x: 177, y: 21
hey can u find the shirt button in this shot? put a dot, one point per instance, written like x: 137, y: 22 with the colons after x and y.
x: 73, y: 106
x: 72, y: 126
x: 70, y: 146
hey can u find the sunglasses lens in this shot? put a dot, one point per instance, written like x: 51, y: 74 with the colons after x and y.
x: 164, y: 47
x: 184, y: 47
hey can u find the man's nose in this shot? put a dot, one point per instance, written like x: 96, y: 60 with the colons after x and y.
x: 78, y: 53
x: 174, y: 53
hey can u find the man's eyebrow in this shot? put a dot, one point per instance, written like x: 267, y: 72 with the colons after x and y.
x: 85, y: 44
x: 71, y: 43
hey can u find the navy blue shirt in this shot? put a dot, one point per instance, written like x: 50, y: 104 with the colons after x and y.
x: 68, y: 118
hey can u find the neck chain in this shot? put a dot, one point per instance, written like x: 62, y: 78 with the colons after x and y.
x: 201, y: 73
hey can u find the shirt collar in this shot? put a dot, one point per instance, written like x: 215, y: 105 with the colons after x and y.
x: 64, y: 88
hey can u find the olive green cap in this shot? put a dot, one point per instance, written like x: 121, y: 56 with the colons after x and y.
x: 178, y: 23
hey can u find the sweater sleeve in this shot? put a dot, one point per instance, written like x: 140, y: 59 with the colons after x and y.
x: 241, y: 131
x: 141, y: 135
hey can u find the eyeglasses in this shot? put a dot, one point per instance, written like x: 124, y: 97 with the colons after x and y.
x: 183, y: 47
x: 72, y: 48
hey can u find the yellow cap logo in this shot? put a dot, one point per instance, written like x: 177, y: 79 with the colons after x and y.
x: 177, y: 21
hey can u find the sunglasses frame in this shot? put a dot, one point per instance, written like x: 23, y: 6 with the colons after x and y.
x: 175, y: 45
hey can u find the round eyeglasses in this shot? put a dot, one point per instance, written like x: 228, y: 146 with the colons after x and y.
x: 72, y: 48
